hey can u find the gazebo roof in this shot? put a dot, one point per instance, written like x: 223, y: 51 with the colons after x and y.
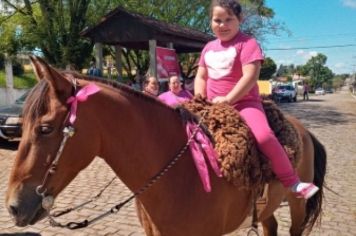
x: 133, y: 30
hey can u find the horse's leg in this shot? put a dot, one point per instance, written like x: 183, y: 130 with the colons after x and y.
x: 275, y: 193
x: 145, y: 220
x: 311, y: 168
x: 270, y: 226
x: 297, y: 212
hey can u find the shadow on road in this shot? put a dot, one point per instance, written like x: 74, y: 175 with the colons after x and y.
x: 13, y: 145
x: 311, y: 100
x: 21, y: 234
x: 317, y: 116
x: 300, y: 100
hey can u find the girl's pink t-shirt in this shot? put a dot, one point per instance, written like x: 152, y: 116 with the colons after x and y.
x: 224, y: 61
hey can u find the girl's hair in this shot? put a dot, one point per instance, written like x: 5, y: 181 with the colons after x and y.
x: 233, y: 6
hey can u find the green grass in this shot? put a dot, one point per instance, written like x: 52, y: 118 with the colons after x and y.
x: 27, y: 80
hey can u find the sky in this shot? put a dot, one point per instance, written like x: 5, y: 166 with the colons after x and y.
x: 314, y: 24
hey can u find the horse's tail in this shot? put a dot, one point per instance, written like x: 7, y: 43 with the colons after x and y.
x: 314, y: 204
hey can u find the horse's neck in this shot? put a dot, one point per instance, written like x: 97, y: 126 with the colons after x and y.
x: 139, y: 137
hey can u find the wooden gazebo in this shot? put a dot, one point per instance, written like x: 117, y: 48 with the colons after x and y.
x: 121, y: 28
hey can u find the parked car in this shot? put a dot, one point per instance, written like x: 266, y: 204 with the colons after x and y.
x: 329, y: 90
x: 319, y: 91
x: 11, y: 119
x: 285, y: 92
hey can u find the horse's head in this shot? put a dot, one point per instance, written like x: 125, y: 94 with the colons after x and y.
x: 45, y: 116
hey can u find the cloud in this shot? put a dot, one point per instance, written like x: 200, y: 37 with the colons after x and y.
x: 339, y: 65
x: 306, y: 55
x: 313, y: 54
x: 299, y: 57
x: 339, y: 68
x: 285, y: 62
x: 300, y: 52
x: 349, y: 3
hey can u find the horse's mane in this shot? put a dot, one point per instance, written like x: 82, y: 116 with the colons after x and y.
x: 117, y: 85
x: 37, y: 102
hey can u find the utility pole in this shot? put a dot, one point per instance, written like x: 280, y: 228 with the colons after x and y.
x: 354, y: 80
x: 353, y: 76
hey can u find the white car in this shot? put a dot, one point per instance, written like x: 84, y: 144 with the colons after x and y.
x: 285, y: 92
x: 319, y: 91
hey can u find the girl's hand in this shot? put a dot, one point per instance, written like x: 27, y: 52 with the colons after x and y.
x: 221, y: 99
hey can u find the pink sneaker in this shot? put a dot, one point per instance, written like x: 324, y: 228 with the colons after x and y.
x: 305, y: 190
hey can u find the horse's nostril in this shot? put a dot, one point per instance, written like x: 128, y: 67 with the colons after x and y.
x: 14, y: 210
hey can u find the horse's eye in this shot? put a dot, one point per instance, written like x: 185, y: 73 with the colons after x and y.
x: 45, y: 129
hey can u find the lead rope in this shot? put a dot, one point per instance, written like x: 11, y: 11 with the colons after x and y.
x: 68, y: 210
x: 116, y: 208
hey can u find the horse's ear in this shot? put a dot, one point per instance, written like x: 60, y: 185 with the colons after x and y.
x: 57, y: 82
x: 36, y: 68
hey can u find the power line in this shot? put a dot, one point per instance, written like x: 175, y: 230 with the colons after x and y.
x: 315, y: 47
x: 311, y: 37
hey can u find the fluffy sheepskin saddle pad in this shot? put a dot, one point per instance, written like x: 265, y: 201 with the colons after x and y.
x: 240, y: 161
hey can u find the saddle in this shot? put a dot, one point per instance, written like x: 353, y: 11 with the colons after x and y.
x: 241, y: 163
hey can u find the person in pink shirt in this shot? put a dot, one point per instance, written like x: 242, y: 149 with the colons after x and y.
x: 228, y: 71
x: 175, y: 95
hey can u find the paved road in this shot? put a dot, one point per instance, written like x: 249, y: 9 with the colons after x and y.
x: 332, y: 118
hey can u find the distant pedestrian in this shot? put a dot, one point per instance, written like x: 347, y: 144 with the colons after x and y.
x: 305, y: 91
x: 93, y: 71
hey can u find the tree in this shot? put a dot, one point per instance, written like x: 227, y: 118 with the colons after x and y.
x: 268, y: 69
x: 195, y: 16
x: 258, y: 19
x: 11, y: 41
x: 320, y: 74
x: 301, y: 70
x: 338, y: 81
x: 52, y: 27
x: 282, y: 70
x: 326, y: 76
x: 175, y: 12
x: 10, y: 44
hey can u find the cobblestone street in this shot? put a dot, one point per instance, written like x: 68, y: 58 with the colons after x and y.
x: 332, y: 118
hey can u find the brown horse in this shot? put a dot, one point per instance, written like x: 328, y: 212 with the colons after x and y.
x: 137, y: 136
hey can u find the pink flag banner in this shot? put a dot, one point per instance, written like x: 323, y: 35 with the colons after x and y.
x: 167, y: 62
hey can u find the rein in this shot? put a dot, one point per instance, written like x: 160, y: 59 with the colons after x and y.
x: 69, y: 131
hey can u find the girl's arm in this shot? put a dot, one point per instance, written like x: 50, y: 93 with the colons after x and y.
x: 200, y: 82
x: 250, y: 74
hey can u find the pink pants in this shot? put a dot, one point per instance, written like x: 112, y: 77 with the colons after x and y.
x: 255, y: 117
